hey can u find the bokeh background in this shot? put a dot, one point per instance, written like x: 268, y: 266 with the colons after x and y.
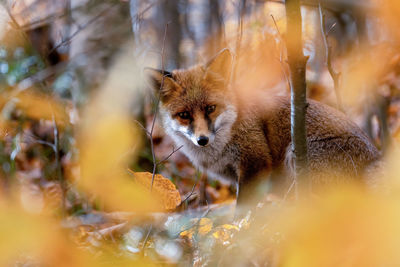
x: 80, y: 144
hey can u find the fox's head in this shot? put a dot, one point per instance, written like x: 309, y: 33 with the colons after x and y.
x: 197, y: 103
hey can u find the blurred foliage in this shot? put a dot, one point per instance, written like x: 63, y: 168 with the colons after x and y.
x: 76, y: 182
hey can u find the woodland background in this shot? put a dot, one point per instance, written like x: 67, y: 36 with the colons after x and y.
x: 80, y: 145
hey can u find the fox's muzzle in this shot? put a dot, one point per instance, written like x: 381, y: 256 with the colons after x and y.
x: 201, y: 129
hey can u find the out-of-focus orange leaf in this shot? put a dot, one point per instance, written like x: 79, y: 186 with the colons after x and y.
x: 362, y: 72
x: 205, y: 226
x: 187, y: 233
x: 104, y: 148
x: 35, y: 105
x: 162, y: 188
x: 36, y: 240
x: 39, y: 106
x: 224, y: 233
x: 389, y: 11
x: 230, y: 227
x: 345, y: 228
x: 202, y: 226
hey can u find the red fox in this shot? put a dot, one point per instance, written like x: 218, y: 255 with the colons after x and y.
x: 233, y: 137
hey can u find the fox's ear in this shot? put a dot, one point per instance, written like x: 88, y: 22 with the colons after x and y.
x: 161, y: 82
x: 221, y: 64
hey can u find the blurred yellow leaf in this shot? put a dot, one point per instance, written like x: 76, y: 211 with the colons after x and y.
x: 396, y: 135
x: 221, y: 235
x: 389, y: 11
x: 35, y: 105
x: 187, y: 233
x: 162, y: 188
x: 203, y: 226
x: 28, y: 239
x: 104, y: 156
x: 225, y: 232
x: 345, y: 228
x: 230, y: 227
x: 40, y: 106
x: 362, y: 71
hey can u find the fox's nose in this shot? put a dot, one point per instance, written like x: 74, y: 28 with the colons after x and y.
x: 202, y: 140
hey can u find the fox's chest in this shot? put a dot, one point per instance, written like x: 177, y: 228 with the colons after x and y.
x: 222, y: 165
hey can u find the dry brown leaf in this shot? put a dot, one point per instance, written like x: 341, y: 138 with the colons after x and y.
x: 162, y: 187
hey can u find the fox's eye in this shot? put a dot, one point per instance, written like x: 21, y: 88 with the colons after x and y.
x: 184, y: 115
x: 210, y: 109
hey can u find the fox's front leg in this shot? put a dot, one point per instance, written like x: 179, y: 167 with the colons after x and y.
x: 204, y: 199
x: 247, y: 195
x: 243, y: 196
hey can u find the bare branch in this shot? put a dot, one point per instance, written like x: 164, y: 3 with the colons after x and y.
x: 143, y: 128
x: 15, y: 24
x: 192, y: 191
x: 102, y: 13
x: 157, y: 104
x: 152, y: 127
x: 56, y: 147
x: 197, y: 223
x: 281, y: 51
x: 328, y: 52
x: 147, y: 238
x: 189, y: 195
x: 82, y: 27
x: 239, y: 36
x: 337, y: 5
x: 289, y: 190
x: 40, y: 76
x: 170, y: 154
x: 39, y: 141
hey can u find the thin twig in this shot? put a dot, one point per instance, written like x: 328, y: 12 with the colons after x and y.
x: 289, y: 190
x: 15, y: 24
x: 239, y: 36
x: 328, y: 52
x: 43, y: 21
x: 170, y: 154
x: 189, y: 195
x: 56, y: 148
x: 39, y: 141
x: 196, y: 224
x: 143, y: 128
x: 192, y: 191
x: 40, y: 76
x: 201, y: 217
x: 81, y: 27
x: 281, y: 51
x: 147, y: 238
x: 150, y: 134
x: 156, y: 108
x: 141, y: 13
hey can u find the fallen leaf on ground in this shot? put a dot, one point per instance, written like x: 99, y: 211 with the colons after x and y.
x: 162, y: 187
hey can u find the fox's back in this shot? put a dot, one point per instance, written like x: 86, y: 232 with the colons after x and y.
x: 336, y: 146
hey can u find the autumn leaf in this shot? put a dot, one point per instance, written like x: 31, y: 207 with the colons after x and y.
x: 224, y: 233
x: 102, y: 163
x: 162, y: 188
x: 203, y: 226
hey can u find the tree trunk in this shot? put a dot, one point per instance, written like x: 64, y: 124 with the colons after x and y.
x: 297, y: 65
x: 168, y: 12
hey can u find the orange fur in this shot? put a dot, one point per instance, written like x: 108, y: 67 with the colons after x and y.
x: 250, y: 137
